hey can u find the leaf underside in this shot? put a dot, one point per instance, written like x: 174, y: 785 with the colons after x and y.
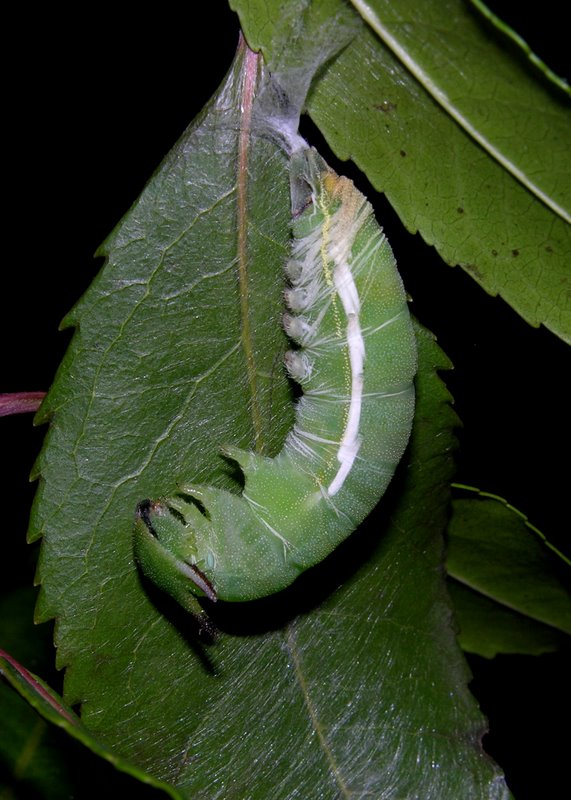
x: 349, y: 683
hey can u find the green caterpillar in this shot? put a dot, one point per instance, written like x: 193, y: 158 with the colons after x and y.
x: 355, y: 361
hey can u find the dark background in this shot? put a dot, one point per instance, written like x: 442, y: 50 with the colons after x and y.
x: 91, y: 106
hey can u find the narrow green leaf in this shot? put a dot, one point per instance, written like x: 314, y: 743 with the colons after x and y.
x: 443, y: 183
x: 343, y: 684
x: 30, y: 759
x: 29, y: 754
x: 47, y: 703
x: 488, y: 628
x: 493, y: 550
x: 36, y: 758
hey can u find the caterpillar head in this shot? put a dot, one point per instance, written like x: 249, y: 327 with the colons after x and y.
x: 167, y: 550
x: 200, y: 543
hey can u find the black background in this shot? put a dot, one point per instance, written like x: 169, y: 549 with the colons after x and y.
x: 91, y: 106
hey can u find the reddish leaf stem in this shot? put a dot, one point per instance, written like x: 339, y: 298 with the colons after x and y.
x: 20, y: 402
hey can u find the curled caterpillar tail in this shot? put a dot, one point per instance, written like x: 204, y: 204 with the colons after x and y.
x: 354, y: 356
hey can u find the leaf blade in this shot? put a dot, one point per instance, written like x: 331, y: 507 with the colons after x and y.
x: 131, y: 385
x: 487, y: 628
x: 448, y: 70
x: 493, y: 550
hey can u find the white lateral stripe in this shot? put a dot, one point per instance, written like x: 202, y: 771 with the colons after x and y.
x: 346, y: 289
x: 346, y: 456
x: 350, y: 443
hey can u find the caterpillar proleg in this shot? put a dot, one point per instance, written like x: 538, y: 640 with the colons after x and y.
x: 355, y: 360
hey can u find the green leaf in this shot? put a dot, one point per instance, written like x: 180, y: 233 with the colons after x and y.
x: 350, y: 679
x: 29, y: 753
x: 449, y: 70
x: 497, y: 554
x: 488, y: 628
x: 30, y: 758
x: 47, y: 703
x: 469, y: 146
x: 34, y: 756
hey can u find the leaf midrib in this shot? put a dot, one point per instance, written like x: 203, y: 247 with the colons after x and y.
x: 248, y: 92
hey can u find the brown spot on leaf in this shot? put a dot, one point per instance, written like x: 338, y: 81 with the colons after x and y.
x: 460, y: 210
x: 515, y: 253
x: 403, y: 153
